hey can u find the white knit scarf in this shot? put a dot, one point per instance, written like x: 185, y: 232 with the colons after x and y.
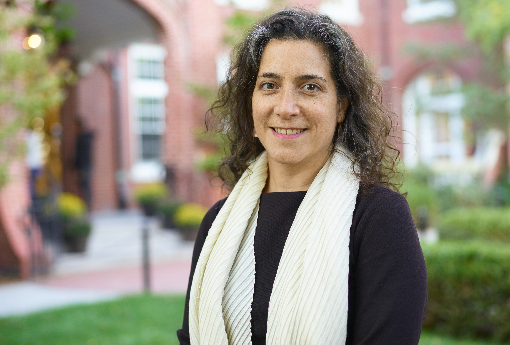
x: 308, y: 303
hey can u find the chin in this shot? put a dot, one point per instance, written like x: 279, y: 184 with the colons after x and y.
x: 285, y: 158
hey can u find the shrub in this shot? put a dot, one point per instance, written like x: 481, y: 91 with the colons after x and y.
x: 420, y: 195
x: 190, y: 215
x: 80, y: 227
x: 150, y: 193
x: 169, y: 208
x: 475, y: 223
x: 469, y: 289
x: 210, y: 163
x: 500, y: 192
x: 70, y: 206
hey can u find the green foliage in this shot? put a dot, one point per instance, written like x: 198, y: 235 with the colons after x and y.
x: 207, y: 93
x: 72, y: 211
x: 189, y: 215
x: 139, y: 319
x: 238, y: 25
x: 78, y: 227
x: 486, y: 21
x: 150, y: 193
x: 71, y: 207
x: 31, y: 81
x: 431, y: 338
x: 440, y: 53
x: 475, y: 223
x: 241, y: 21
x: 169, y: 208
x: 211, y: 161
x: 486, y: 105
x: 420, y: 194
x: 500, y: 192
x: 469, y: 289
x: 464, y: 196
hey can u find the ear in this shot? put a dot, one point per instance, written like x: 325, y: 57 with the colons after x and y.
x: 255, y: 133
x: 344, y: 104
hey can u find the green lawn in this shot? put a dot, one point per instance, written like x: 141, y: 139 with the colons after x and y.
x: 428, y: 338
x: 138, y: 319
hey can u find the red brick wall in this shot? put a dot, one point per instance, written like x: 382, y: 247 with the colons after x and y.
x: 94, y: 104
x: 191, y: 36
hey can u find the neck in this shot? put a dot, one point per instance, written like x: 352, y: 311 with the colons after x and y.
x: 290, y: 178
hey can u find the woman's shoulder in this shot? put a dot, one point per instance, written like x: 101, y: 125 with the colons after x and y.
x: 380, y: 208
x: 379, y: 198
x: 210, y: 216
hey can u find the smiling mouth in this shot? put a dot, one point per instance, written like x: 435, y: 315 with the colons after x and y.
x: 287, y: 131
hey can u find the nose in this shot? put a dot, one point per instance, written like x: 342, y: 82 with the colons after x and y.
x: 287, y: 105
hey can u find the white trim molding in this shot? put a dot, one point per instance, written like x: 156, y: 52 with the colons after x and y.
x: 422, y: 11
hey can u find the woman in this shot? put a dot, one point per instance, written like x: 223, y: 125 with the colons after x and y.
x: 311, y: 246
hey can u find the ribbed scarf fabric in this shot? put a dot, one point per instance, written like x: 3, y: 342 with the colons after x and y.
x: 308, y: 303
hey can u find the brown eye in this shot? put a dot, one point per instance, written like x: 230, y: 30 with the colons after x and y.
x: 310, y: 87
x: 268, y: 86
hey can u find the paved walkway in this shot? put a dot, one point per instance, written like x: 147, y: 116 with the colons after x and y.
x: 109, y: 268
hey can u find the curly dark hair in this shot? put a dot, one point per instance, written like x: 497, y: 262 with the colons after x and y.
x: 365, y: 131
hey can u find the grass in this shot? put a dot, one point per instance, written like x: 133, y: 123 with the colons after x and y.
x: 429, y: 338
x: 138, y: 319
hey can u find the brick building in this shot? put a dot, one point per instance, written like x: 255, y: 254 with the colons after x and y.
x: 136, y: 60
x: 144, y: 123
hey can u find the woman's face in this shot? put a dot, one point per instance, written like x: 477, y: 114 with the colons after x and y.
x: 295, y: 107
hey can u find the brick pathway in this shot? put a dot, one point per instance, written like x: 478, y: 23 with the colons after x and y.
x: 110, y: 267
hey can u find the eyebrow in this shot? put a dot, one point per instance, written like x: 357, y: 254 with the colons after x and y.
x: 301, y: 77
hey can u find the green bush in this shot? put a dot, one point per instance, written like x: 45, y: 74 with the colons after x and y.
x: 500, y: 192
x: 168, y: 208
x: 469, y: 289
x: 71, y: 207
x: 210, y: 163
x: 421, y: 195
x: 150, y: 193
x: 190, y: 215
x: 81, y: 227
x: 475, y: 223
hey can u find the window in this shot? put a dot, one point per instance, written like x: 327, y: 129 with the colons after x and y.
x: 433, y: 126
x: 254, y: 5
x: 222, y: 65
x: 151, y: 125
x: 424, y: 10
x: 342, y: 11
x: 150, y: 69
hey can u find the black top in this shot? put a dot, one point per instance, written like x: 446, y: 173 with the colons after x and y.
x: 387, y: 274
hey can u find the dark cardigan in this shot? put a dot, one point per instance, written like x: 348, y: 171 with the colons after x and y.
x: 387, y: 274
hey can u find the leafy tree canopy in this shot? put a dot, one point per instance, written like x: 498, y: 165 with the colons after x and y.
x: 486, y: 21
x: 31, y: 80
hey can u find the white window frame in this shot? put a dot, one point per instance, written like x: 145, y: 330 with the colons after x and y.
x: 143, y: 88
x: 222, y: 65
x: 342, y: 11
x: 419, y: 128
x: 254, y: 5
x: 422, y: 11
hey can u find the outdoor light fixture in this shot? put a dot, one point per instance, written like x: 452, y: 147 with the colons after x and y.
x: 33, y: 41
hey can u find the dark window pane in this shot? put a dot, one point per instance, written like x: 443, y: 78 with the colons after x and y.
x: 150, y: 146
